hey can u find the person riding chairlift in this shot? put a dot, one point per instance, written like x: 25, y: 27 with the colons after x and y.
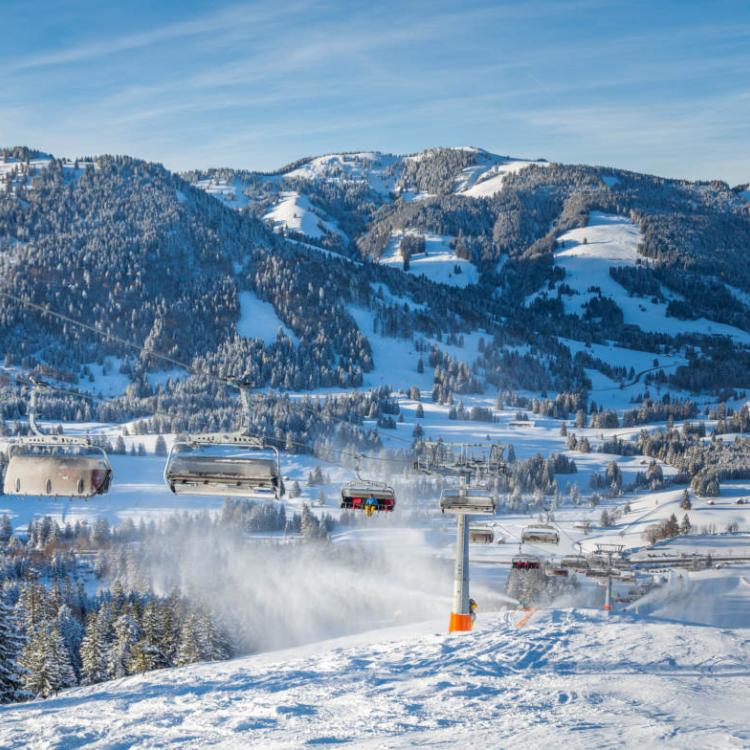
x: 371, y: 505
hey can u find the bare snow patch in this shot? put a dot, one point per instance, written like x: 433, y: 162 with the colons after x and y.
x: 230, y: 192
x: 438, y: 263
x: 481, y: 181
x: 296, y: 212
x: 258, y: 320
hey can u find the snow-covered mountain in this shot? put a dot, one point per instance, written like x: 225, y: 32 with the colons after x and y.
x: 349, y: 247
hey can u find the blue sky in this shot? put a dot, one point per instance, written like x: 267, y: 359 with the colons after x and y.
x: 661, y: 87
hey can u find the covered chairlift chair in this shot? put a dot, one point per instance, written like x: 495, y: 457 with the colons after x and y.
x: 367, y: 495
x: 540, y: 534
x: 481, y: 535
x: 225, y: 463
x: 467, y: 498
x: 55, y: 465
x: 576, y: 562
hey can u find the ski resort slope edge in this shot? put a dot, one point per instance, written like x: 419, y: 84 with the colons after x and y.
x: 566, y: 678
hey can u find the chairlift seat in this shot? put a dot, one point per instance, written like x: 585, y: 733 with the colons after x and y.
x: 540, y: 534
x: 469, y: 500
x: 526, y: 562
x: 360, y: 495
x: 577, y: 562
x: 481, y: 535
x: 242, y: 470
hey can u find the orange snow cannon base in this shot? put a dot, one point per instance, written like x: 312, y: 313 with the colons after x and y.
x: 459, y: 623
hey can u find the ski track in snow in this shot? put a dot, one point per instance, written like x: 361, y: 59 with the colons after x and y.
x: 567, y: 678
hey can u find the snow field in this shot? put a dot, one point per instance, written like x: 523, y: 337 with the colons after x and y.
x: 258, y: 320
x: 437, y: 264
x: 480, y: 181
x: 566, y: 678
x: 296, y: 212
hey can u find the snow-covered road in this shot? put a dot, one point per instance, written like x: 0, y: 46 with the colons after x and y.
x: 567, y: 678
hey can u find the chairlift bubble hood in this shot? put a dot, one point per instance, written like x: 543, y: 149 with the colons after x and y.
x: 55, y: 465
x: 471, y: 500
x: 224, y: 464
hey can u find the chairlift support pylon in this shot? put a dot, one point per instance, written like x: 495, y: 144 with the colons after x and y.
x: 54, y: 465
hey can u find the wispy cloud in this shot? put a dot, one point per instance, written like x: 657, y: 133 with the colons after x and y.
x: 224, y: 20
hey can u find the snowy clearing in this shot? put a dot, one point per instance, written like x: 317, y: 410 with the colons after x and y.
x: 296, y: 212
x: 258, y: 320
x: 479, y: 181
x: 231, y: 193
x: 372, y: 167
x: 439, y: 263
x: 609, y: 240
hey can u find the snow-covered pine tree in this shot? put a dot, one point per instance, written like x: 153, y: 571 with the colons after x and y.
x: 11, y: 643
x: 95, y: 647
x: 46, y: 662
x: 127, y: 633
x: 189, y: 649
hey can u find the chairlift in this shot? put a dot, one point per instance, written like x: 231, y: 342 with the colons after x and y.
x: 55, y: 465
x: 481, y: 535
x: 525, y: 562
x: 540, y: 534
x: 555, y: 571
x: 368, y: 496
x: 226, y: 463
x: 576, y: 562
x: 221, y: 464
x: 468, y: 499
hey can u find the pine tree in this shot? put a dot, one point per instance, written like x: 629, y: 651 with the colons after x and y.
x: 6, y: 529
x: 46, y: 662
x: 685, y: 503
x: 189, y: 648
x: 72, y: 634
x: 685, y: 526
x: 160, y: 447
x: 11, y: 642
x: 126, y: 636
x: 95, y: 647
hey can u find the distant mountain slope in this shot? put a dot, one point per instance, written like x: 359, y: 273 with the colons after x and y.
x: 444, y: 243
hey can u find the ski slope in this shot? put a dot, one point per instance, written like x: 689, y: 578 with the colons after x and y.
x: 566, y: 678
x: 480, y: 181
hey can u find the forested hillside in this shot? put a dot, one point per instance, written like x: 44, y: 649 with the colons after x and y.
x: 429, y: 248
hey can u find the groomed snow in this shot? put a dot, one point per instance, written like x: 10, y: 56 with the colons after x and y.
x: 561, y: 678
x: 295, y: 212
x: 258, y: 319
x: 437, y: 264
